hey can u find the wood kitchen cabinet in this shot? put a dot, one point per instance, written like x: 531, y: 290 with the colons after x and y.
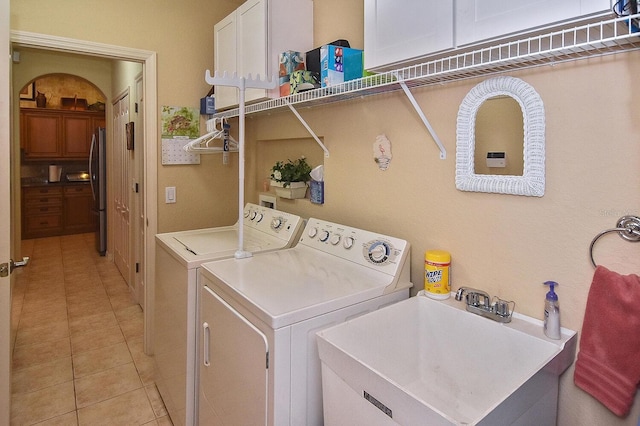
x: 251, y: 38
x: 57, y: 134
x: 57, y: 210
x: 76, y: 212
x: 41, y: 211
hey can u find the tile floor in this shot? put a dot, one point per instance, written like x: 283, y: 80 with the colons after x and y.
x: 78, y: 357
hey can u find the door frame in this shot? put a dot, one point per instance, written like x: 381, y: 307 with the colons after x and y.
x: 149, y: 69
x: 6, y: 233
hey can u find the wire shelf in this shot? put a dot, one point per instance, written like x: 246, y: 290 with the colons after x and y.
x: 569, y: 44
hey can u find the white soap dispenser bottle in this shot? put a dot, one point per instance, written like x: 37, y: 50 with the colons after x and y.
x: 552, y: 312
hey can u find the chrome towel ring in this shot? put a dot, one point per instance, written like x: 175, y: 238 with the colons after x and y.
x: 628, y: 227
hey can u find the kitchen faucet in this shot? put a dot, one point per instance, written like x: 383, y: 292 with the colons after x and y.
x: 479, y: 302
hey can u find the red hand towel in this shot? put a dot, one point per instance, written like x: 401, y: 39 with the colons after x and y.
x: 608, y: 364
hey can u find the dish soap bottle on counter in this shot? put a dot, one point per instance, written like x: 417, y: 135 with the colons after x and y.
x: 552, y: 312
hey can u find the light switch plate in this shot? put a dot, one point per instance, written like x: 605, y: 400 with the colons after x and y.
x: 170, y: 194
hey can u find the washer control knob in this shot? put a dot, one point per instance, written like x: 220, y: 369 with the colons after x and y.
x: 324, y: 235
x: 259, y: 217
x: 312, y: 232
x: 378, y: 252
x: 252, y: 216
x: 335, y: 239
x: 276, y: 223
x: 348, y: 242
x: 246, y: 213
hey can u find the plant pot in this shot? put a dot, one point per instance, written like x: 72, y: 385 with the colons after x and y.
x: 292, y: 191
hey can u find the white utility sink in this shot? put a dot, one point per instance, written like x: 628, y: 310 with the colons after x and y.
x: 428, y: 362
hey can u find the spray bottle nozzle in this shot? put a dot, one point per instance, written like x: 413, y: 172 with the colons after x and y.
x: 551, y: 295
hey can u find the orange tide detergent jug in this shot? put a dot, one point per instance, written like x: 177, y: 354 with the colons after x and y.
x: 437, y: 264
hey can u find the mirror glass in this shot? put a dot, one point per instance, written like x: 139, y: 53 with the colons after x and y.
x: 501, y: 115
x: 499, y: 128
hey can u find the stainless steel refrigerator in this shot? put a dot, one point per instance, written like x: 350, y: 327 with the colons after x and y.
x: 98, y: 176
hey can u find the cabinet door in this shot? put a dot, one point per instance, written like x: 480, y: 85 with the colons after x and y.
x: 76, y: 131
x: 77, y: 203
x: 225, y: 53
x: 95, y: 123
x: 478, y: 20
x: 252, y: 43
x: 396, y: 31
x: 41, y: 135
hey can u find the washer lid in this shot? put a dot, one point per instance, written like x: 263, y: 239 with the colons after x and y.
x: 292, y: 285
x: 212, y: 243
x: 192, y: 248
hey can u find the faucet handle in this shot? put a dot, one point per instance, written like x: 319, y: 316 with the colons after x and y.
x: 504, y: 308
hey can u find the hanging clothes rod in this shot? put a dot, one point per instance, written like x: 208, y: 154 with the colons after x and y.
x: 241, y: 83
x: 628, y: 227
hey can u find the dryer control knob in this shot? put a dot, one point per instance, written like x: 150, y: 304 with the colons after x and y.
x: 252, y: 216
x: 259, y: 217
x: 335, y: 239
x: 348, y: 242
x: 324, y: 235
x: 276, y: 222
x: 312, y: 232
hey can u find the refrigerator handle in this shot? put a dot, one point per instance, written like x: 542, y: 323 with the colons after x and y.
x: 93, y: 144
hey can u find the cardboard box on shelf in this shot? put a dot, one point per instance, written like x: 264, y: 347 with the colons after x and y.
x: 339, y: 64
x: 304, y: 80
x: 290, y: 61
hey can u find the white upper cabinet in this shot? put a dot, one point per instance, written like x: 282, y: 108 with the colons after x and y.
x: 403, y: 32
x: 225, y: 57
x: 398, y: 30
x: 478, y: 20
x: 251, y: 38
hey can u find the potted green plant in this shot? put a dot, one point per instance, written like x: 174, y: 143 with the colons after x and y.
x: 290, y: 178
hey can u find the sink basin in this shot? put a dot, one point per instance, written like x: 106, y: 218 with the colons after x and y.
x: 422, y: 361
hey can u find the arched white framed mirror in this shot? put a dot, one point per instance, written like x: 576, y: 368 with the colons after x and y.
x: 531, y: 182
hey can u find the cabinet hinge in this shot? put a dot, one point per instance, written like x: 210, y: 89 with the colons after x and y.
x: 136, y: 107
x: 267, y: 357
x: 137, y: 267
x: 136, y: 187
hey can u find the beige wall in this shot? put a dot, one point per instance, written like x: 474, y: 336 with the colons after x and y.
x: 507, y: 245
x: 182, y: 35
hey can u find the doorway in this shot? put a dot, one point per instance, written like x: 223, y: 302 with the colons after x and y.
x: 149, y: 83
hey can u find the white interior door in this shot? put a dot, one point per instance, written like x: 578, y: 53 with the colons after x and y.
x: 120, y: 188
x: 138, y: 193
x: 5, y: 217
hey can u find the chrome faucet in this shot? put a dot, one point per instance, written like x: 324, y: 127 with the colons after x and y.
x: 479, y: 302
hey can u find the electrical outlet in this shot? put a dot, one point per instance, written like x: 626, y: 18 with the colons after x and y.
x: 170, y: 194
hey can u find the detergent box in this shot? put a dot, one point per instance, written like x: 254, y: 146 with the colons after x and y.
x: 339, y: 64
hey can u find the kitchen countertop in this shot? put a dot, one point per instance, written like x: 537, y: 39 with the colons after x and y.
x: 37, y: 181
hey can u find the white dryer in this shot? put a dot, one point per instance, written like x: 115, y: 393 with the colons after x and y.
x: 178, y: 258
x: 258, y: 358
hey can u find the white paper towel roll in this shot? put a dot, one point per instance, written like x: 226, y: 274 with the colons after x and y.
x: 55, y: 172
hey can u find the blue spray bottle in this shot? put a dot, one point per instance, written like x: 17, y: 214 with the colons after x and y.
x: 552, y: 313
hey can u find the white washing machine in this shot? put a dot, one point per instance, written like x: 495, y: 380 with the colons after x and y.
x: 258, y: 358
x: 178, y: 258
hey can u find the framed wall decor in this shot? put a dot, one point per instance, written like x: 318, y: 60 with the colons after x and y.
x: 129, y: 131
x: 28, y: 92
